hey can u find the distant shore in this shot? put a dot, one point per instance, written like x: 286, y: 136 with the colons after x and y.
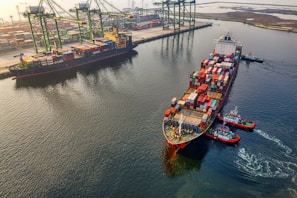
x: 255, y: 19
x: 261, y: 20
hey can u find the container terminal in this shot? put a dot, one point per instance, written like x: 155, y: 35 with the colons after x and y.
x: 53, y: 31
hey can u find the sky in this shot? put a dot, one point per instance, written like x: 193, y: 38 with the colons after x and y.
x: 9, y: 7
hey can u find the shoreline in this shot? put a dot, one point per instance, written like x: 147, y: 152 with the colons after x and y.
x: 254, y: 19
x: 265, y: 21
x: 139, y: 37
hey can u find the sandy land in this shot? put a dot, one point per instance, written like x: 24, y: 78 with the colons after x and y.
x: 256, y: 19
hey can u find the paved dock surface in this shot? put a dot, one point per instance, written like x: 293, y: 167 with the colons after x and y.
x: 146, y: 35
x: 141, y: 36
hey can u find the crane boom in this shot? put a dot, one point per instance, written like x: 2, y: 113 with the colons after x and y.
x: 70, y: 20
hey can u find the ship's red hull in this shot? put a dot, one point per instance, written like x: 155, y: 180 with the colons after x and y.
x: 232, y: 141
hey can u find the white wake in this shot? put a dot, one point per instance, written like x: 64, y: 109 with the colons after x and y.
x: 264, y: 166
x: 287, y: 149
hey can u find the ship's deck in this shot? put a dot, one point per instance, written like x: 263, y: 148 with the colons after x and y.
x: 192, y: 117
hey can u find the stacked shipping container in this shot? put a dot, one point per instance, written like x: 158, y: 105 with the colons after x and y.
x: 205, y: 90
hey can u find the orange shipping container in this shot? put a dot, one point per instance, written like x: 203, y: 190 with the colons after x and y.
x: 215, y: 77
x: 173, y: 110
x: 167, y: 113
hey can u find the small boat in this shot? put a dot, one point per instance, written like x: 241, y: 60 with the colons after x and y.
x: 234, y: 119
x: 223, y: 133
x: 249, y: 57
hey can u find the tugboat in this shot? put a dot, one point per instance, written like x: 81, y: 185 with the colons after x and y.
x: 249, y: 57
x: 234, y: 119
x: 223, y: 134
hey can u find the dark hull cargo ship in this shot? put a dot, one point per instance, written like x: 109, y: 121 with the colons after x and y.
x: 113, y: 44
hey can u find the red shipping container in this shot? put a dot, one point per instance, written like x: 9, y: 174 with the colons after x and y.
x: 200, y: 98
x: 208, y: 104
x: 167, y: 113
x: 215, y: 77
x: 173, y: 110
x: 202, y: 88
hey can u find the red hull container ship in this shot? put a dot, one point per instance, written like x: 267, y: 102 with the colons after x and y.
x: 194, y: 112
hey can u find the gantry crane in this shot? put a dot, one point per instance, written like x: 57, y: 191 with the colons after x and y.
x: 41, y: 16
x: 179, y: 13
x: 38, y: 13
x: 85, y: 8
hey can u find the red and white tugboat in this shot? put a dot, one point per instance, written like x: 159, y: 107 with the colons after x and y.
x: 224, y: 134
x: 234, y: 119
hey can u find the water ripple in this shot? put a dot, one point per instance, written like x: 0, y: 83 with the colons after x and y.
x: 287, y: 149
x: 264, y: 166
x: 292, y: 192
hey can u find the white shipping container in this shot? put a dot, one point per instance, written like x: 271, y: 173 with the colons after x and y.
x: 220, y: 78
x: 211, y: 63
x: 59, y: 61
x: 220, y: 70
x: 173, y: 101
x: 96, y: 52
x: 192, y: 96
x: 218, y: 65
x: 181, y: 102
x: 204, y: 117
x: 216, y: 59
x: 209, y: 69
x: 42, y: 59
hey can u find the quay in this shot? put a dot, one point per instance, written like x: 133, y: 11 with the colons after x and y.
x: 139, y: 37
x: 146, y: 35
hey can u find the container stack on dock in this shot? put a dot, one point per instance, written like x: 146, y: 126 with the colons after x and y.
x: 19, y: 35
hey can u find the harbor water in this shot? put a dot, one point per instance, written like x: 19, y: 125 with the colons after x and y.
x: 96, y: 131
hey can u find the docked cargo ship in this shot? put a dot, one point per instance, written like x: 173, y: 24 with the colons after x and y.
x: 194, y: 112
x: 114, y: 43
